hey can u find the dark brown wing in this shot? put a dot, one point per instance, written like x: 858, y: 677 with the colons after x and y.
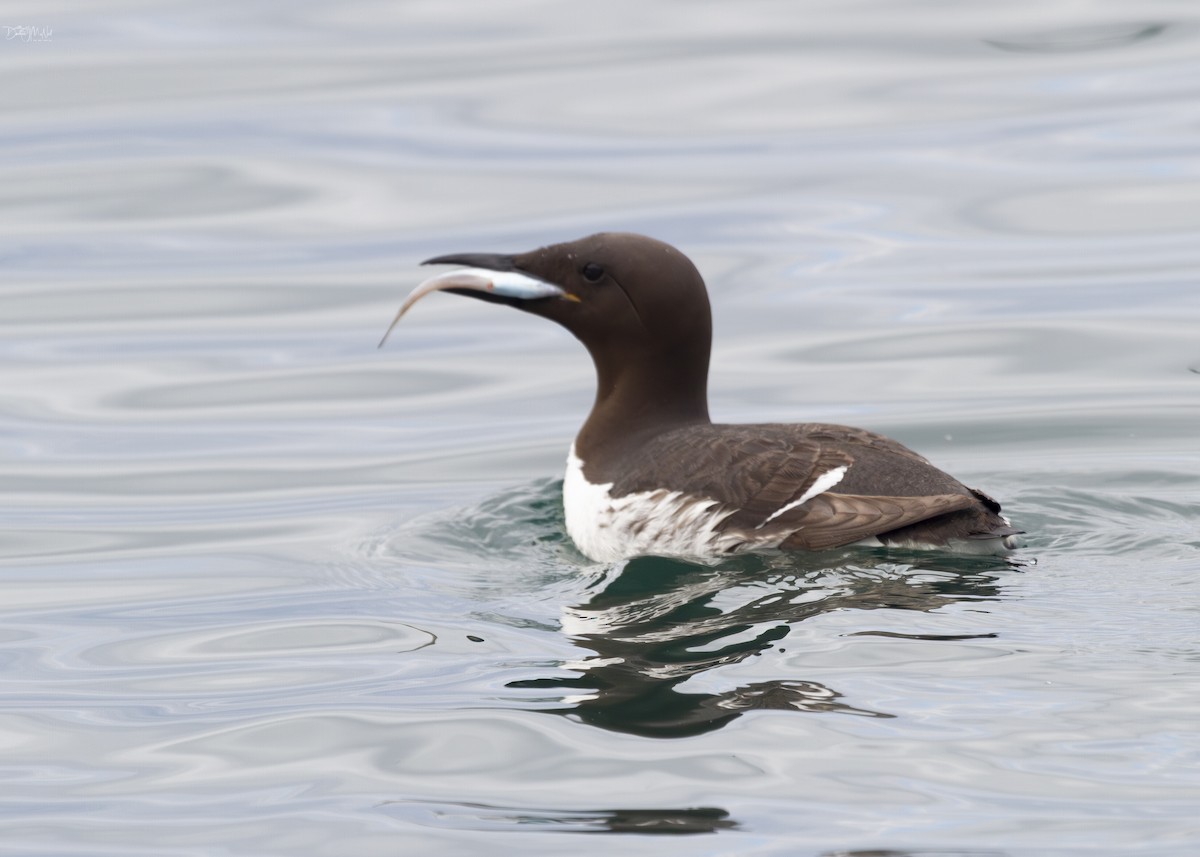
x: 757, y: 471
x: 833, y: 520
x: 851, y: 437
x: 788, y: 478
x: 753, y: 474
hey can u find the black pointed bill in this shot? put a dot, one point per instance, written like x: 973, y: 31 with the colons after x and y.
x: 505, y: 284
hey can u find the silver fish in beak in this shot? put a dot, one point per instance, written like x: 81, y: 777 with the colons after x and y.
x: 501, y: 284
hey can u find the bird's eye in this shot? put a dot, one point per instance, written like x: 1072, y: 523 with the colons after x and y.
x: 593, y: 272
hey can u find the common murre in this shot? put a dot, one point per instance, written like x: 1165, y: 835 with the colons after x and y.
x: 650, y: 473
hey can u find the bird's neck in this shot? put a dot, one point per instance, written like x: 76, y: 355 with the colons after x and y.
x: 636, y: 400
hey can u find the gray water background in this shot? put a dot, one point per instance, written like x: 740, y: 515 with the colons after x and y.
x: 266, y: 590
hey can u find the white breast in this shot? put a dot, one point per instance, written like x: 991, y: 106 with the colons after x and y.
x: 661, y: 522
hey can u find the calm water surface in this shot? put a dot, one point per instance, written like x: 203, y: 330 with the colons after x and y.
x: 269, y: 591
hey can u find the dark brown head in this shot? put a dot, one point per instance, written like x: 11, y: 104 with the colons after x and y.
x: 638, y: 305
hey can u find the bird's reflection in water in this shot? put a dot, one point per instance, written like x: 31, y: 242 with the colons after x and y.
x: 655, y: 623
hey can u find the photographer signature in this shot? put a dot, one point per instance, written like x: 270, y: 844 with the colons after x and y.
x: 28, y: 34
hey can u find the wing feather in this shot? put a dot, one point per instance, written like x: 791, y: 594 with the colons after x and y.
x: 833, y: 520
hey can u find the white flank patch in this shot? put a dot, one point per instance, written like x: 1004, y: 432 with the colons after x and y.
x: 822, y: 484
x: 655, y: 523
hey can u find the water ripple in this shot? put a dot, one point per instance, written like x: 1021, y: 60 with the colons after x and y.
x: 269, y: 590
